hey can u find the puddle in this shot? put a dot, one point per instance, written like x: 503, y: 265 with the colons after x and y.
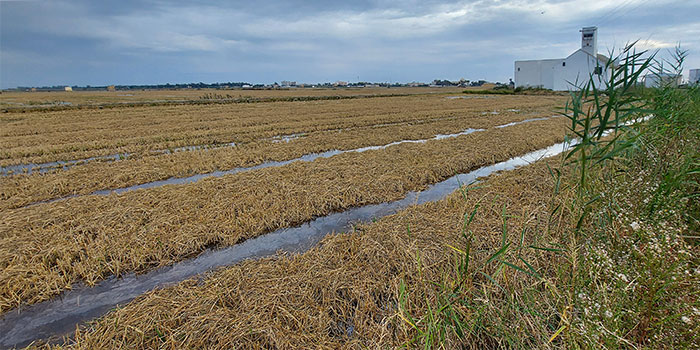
x: 525, y: 121
x: 195, y: 148
x: 50, y: 166
x: 60, y: 316
x: 30, y: 168
x: 40, y: 105
x: 287, y: 138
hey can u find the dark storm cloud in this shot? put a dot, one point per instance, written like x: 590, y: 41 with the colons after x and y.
x: 95, y: 42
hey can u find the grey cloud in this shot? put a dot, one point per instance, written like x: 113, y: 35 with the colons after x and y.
x: 89, y: 42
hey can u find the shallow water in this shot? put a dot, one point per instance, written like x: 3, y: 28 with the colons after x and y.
x: 525, y: 121
x: 59, y: 317
x: 287, y: 138
x: 305, y: 158
x: 29, y: 168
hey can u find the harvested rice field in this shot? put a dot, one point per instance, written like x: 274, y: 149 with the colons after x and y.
x: 23, y: 101
x: 98, y: 199
x: 344, y: 292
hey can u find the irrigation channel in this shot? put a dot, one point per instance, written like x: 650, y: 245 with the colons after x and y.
x: 66, y: 164
x: 59, y: 317
x: 29, y: 168
x: 305, y: 158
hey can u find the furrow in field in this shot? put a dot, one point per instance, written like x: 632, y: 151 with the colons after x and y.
x: 310, y: 157
x: 19, y: 191
x: 145, y: 96
x: 59, y: 317
x: 368, y: 286
x: 43, y: 137
x: 48, y: 247
x: 29, y: 168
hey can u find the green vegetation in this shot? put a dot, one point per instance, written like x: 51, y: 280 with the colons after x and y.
x: 620, y: 266
x: 505, y: 90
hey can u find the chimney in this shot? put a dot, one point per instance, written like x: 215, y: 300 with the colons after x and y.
x: 589, y: 40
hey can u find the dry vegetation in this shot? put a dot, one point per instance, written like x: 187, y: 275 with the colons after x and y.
x: 20, y: 190
x: 28, y: 100
x: 595, y: 250
x: 47, y: 247
x: 357, y: 290
x: 78, y: 134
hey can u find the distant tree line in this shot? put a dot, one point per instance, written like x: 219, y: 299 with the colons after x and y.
x: 200, y: 85
x: 246, y: 85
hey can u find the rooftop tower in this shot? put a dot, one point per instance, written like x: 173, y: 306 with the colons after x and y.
x: 589, y: 40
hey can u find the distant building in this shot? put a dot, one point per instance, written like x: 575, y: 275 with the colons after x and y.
x: 662, y: 79
x: 568, y: 73
x: 694, y: 77
x: 287, y: 83
x: 340, y: 83
x: 68, y: 88
x: 111, y: 88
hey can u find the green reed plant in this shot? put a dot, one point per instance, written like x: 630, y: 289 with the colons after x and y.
x: 625, y: 273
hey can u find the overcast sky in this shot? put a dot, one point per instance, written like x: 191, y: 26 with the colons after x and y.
x: 149, y: 42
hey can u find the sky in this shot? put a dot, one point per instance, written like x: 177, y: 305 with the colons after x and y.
x: 44, y: 43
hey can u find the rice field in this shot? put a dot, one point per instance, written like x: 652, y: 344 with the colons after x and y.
x: 203, y: 177
x: 353, y: 218
x: 24, y: 101
x: 344, y: 292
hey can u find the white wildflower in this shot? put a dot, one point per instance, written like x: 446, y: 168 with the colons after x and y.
x: 634, y: 225
x: 685, y: 320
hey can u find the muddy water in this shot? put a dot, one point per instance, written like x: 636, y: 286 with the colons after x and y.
x: 60, y: 316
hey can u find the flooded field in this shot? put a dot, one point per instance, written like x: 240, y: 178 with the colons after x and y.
x: 58, y: 317
x: 103, y: 205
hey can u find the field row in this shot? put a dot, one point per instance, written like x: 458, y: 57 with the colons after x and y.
x: 21, y: 190
x: 36, y: 137
x: 48, y: 247
x: 96, y: 98
x: 356, y: 290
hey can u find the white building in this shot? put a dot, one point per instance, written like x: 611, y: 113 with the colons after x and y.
x: 566, y: 73
x: 694, y: 77
x: 662, y: 79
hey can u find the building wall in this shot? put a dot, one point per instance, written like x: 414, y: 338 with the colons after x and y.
x: 694, y: 76
x: 536, y: 73
x: 560, y: 74
x: 659, y: 80
x: 577, y: 71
